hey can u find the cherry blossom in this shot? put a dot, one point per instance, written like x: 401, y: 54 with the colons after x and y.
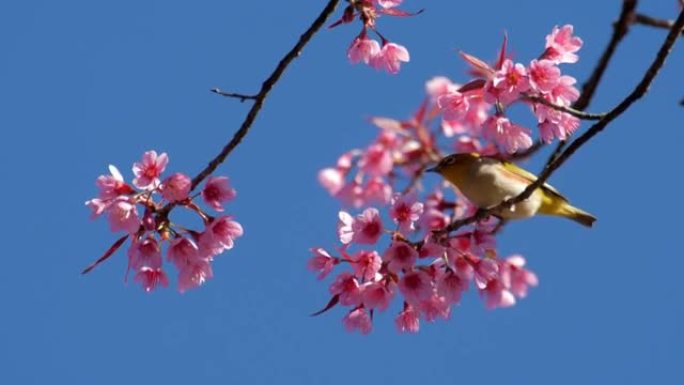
x: 148, y: 170
x: 190, y: 251
x: 176, y: 187
x: 217, y: 191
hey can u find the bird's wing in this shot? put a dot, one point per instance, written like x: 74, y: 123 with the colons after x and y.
x: 524, y: 175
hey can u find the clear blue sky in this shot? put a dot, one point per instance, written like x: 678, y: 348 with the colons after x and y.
x: 85, y: 83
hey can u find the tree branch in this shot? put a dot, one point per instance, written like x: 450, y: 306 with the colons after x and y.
x: 242, y: 97
x: 640, y: 18
x: 620, y: 29
x: 638, y: 92
x: 568, y: 110
x: 259, y: 99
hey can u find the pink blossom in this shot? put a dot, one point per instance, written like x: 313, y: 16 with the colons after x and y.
x: 376, y: 161
x: 434, y: 219
x: 351, y: 194
x: 454, y: 105
x: 358, y: 319
x: 497, y: 295
x: 366, y: 228
x: 564, y: 93
x: 377, y: 295
x: 363, y: 49
x: 511, y: 137
x: 486, y: 270
x: 401, y: 256
x: 216, y: 191
x: 149, y: 278
x: 147, y: 171
x: 508, y: 82
x: 347, y: 287
x: 331, y: 179
x: 416, y: 286
x: 520, y: 278
x: 561, y: 127
x: 345, y: 230
x: 376, y: 191
x: 123, y: 215
x: 194, y: 274
x: 561, y: 45
x: 182, y: 252
x: 544, y: 75
x: 176, y: 187
x: 389, y: 3
x: 144, y: 253
x: 97, y: 207
x: 450, y: 286
x: 321, y: 263
x: 438, y: 86
x: 366, y: 264
x: 112, y: 186
x: 431, y: 248
x: 405, y: 211
x: 435, y: 307
x: 390, y: 57
x: 407, y: 321
x: 220, y: 235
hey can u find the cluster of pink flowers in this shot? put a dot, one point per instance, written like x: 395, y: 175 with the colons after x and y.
x: 429, y: 275
x: 466, y: 108
x: 383, y: 55
x: 148, y: 228
x: 429, y: 270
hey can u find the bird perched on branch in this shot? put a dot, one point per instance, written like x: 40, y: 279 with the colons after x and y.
x: 488, y: 181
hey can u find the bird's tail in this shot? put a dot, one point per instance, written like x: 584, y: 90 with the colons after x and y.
x: 580, y: 216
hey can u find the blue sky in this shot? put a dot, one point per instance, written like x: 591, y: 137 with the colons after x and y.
x: 84, y: 84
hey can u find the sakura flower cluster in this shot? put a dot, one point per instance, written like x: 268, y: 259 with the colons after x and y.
x: 140, y: 211
x: 539, y: 84
x: 405, y: 257
x: 384, y: 55
x: 424, y: 274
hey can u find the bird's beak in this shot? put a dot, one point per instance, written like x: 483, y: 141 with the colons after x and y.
x: 431, y: 169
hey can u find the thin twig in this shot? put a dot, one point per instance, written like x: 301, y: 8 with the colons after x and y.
x: 242, y: 97
x: 640, y: 18
x: 638, y: 92
x: 568, y: 110
x: 259, y: 99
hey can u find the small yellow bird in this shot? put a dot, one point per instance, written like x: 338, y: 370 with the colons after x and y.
x: 488, y: 181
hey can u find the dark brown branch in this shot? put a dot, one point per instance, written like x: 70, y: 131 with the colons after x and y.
x: 620, y: 29
x: 568, y: 110
x: 263, y: 93
x: 242, y: 97
x: 642, y: 19
x: 259, y: 99
x: 638, y: 92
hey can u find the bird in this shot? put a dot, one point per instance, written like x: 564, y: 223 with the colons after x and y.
x: 487, y: 181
